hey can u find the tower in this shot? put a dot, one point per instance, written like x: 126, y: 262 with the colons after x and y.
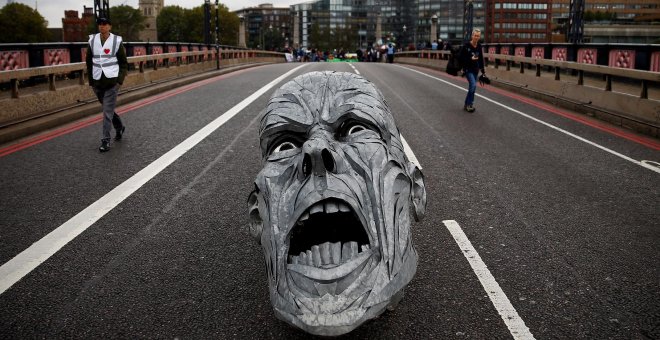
x: 150, y: 9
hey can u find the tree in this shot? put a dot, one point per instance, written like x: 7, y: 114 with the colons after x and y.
x: 273, y: 39
x: 22, y: 24
x: 172, y: 24
x: 127, y: 22
x: 187, y: 25
x: 194, y: 19
x: 229, y: 24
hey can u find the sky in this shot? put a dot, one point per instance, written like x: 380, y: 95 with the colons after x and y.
x: 53, y: 10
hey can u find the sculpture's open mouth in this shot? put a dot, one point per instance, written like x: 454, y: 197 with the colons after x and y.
x: 327, y: 235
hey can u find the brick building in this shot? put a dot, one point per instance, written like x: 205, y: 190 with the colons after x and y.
x: 76, y: 28
x: 511, y: 21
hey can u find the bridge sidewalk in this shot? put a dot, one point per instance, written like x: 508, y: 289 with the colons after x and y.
x: 20, y: 131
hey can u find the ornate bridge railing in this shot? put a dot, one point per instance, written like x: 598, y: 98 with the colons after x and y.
x: 29, y: 93
x: 624, y: 96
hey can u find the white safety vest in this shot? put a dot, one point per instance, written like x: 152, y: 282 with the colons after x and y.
x: 104, y: 57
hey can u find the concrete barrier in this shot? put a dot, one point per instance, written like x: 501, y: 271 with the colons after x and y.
x: 60, y: 101
x: 625, y: 97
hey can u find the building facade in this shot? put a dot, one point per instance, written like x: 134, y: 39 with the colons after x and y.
x: 150, y: 9
x: 352, y: 24
x: 267, y: 27
x: 451, y: 18
x: 513, y: 21
x: 611, y: 21
x: 373, y: 22
x: 75, y: 28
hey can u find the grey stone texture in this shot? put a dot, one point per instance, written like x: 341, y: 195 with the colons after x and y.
x: 333, y: 203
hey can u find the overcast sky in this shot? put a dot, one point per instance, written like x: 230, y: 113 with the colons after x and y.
x: 53, y: 10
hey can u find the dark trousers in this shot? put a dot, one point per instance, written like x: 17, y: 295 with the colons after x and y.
x: 108, y: 99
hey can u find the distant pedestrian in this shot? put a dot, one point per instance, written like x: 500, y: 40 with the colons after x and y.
x: 390, y: 53
x: 106, y: 68
x: 472, y: 60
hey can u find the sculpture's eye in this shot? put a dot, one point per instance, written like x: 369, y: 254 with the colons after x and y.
x: 284, y: 146
x: 355, y: 128
x: 350, y: 128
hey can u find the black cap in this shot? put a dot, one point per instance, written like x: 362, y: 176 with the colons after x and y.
x: 103, y: 20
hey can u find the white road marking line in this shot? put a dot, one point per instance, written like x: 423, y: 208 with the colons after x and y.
x: 511, y: 318
x: 642, y: 164
x: 408, y: 151
x: 514, y: 323
x: 23, y: 263
x: 353, y: 67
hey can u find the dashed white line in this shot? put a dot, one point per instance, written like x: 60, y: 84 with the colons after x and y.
x: 23, y: 263
x: 509, y: 314
x: 512, y: 320
x: 353, y: 67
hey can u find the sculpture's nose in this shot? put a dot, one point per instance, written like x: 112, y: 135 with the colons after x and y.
x: 317, y: 157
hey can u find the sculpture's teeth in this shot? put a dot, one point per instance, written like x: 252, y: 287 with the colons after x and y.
x: 315, y: 209
x: 304, y: 217
x: 331, y: 207
x: 329, y: 255
x: 348, y: 251
x: 316, y: 256
x: 310, y: 258
x: 325, y: 253
x: 335, y: 252
x: 343, y: 207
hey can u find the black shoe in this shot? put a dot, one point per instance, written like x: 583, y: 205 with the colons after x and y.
x: 120, y: 133
x: 105, y: 146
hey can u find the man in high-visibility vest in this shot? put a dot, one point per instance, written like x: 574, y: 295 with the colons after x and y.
x: 106, y: 69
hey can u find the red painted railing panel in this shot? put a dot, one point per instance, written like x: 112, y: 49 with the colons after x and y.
x: 655, y: 62
x: 622, y: 58
x: 538, y: 52
x: 13, y: 60
x: 559, y: 53
x: 56, y: 56
x: 157, y: 50
x: 172, y: 49
x: 587, y: 56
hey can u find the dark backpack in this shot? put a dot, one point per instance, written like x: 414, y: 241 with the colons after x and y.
x: 454, y: 65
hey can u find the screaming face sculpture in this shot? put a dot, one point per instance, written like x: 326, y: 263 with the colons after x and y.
x: 332, y: 205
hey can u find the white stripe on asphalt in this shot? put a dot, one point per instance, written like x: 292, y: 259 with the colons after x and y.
x: 642, y: 164
x: 408, y: 151
x: 353, y: 67
x: 40, y: 251
x: 513, y: 322
x: 511, y: 318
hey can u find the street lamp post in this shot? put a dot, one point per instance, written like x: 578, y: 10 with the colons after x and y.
x: 217, y: 35
x: 403, y: 38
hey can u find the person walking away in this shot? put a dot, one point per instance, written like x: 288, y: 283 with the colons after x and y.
x: 390, y: 53
x: 106, y: 69
x: 472, y: 59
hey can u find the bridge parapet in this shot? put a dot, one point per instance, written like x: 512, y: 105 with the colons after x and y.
x: 65, y: 83
x: 624, y: 96
x: 631, y: 56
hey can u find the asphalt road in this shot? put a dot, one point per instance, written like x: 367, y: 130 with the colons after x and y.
x: 560, y: 211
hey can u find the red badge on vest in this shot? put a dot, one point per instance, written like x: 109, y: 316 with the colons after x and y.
x: 107, y: 51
